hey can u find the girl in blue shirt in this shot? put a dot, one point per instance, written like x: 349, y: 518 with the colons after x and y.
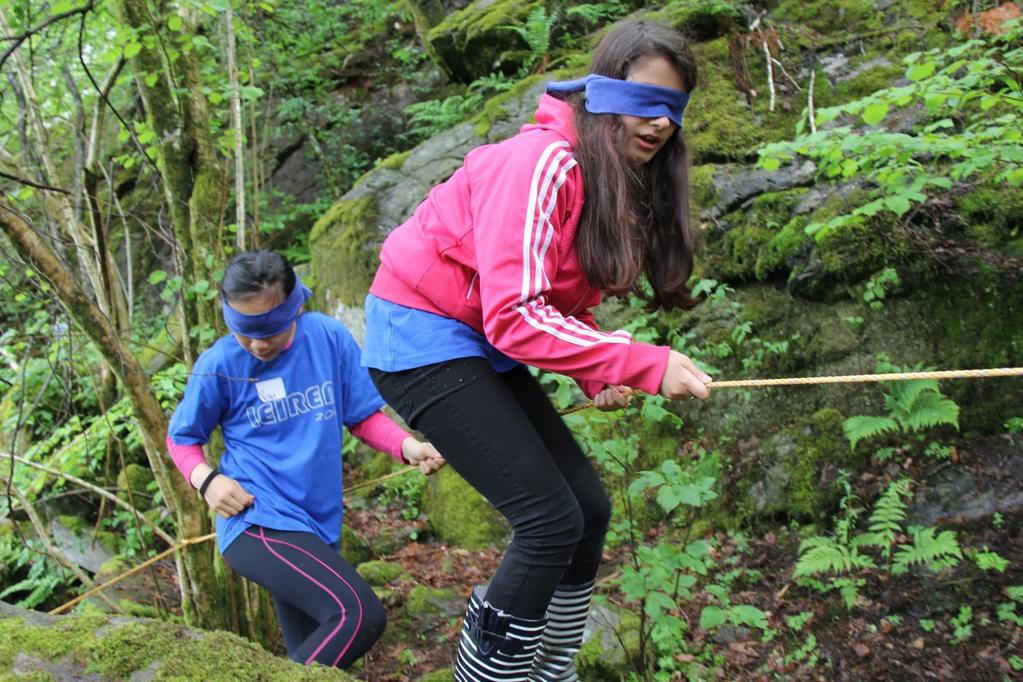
x: 281, y: 387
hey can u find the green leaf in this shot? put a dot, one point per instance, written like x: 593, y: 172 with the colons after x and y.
x: 174, y: 23
x: 875, y: 113
x: 898, y: 204
x: 157, y: 276
x: 1015, y: 177
x: 770, y: 163
x: 132, y: 49
x: 919, y: 71
x: 712, y: 616
x: 858, y: 428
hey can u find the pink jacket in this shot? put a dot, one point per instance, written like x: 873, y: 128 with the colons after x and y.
x: 494, y: 247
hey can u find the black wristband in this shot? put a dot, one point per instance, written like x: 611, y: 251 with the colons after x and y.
x: 206, y: 482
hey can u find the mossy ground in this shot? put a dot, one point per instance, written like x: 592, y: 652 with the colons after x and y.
x: 114, y: 649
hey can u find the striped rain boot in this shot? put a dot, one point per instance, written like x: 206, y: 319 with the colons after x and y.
x: 495, y: 645
x: 561, y: 641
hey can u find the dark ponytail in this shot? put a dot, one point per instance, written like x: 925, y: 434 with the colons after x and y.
x: 251, y: 272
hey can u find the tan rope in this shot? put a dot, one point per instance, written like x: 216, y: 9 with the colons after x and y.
x: 743, y: 383
x: 194, y: 541
x: 122, y: 576
x: 864, y: 378
x: 843, y: 379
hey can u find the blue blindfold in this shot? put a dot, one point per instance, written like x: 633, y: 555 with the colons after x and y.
x: 612, y: 96
x: 273, y: 321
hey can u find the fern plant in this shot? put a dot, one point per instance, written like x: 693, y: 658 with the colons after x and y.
x: 913, y: 406
x: 930, y: 549
x: 833, y: 563
x: 536, y: 33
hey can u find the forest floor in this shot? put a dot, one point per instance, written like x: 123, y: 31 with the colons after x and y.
x: 918, y: 626
x: 909, y: 627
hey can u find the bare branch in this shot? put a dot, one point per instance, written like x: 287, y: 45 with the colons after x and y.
x: 102, y: 492
x: 34, y: 185
x: 53, y: 550
x: 19, y: 39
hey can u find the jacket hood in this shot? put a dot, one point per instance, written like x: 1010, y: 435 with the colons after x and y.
x: 556, y: 115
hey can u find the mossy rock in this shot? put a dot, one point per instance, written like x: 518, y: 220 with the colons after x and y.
x: 792, y: 474
x: 613, y: 644
x: 702, y: 21
x: 459, y: 515
x: 134, y: 477
x: 994, y: 215
x: 445, y: 675
x: 826, y: 17
x: 354, y: 549
x: 381, y: 573
x: 720, y: 124
x: 94, y: 647
x: 344, y: 253
x: 480, y: 38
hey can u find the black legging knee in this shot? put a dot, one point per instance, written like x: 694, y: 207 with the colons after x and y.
x: 327, y: 612
x: 501, y: 433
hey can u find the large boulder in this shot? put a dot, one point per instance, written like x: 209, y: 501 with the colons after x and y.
x: 345, y: 242
x: 99, y: 648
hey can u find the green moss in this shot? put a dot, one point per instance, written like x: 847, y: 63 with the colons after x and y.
x: 863, y: 84
x: 602, y: 658
x: 380, y: 573
x: 354, y: 549
x: 719, y: 123
x: 394, y: 161
x: 343, y: 249
x: 445, y: 675
x: 134, y: 477
x: 994, y: 213
x: 976, y: 316
x: 704, y: 21
x: 764, y: 237
x: 494, y: 108
x: 473, y: 40
x: 703, y: 192
x: 114, y: 650
x: 854, y: 16
x: 424, y: 600
x: 793, y: 478
x: 856, y: 252
x: 459, y: 515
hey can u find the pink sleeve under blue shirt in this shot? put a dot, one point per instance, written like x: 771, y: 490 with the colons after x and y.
x: 282, y: 425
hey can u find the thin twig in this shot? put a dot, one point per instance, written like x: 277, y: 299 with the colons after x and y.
x: 19, y: 39
x: 809, y: 101
x: 102, y: 492
x: 33, y: 185
x: 52, y: 549
x: 770, y: 75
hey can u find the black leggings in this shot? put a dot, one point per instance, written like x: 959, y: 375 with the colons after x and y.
x: 501, y: 433
x: 327, y: 611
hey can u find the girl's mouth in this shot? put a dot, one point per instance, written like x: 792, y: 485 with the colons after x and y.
x: 648, y: 142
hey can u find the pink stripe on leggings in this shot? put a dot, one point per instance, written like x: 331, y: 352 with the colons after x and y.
x: 344, y: 612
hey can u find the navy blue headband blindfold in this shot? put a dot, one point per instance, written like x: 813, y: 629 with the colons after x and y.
x: 273, y: 321
x: 612, y: 96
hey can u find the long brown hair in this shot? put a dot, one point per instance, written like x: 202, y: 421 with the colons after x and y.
x: 635, y: 218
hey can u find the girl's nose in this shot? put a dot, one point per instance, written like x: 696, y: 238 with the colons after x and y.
x: 661, y: 122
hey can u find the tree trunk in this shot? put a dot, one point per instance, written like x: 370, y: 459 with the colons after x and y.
x: 191, y: 173
x: 203, y: 599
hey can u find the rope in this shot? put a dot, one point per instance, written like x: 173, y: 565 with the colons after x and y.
x: 194, y: 541
x: 122, y: 576
x: 742, y: 383
x: 844, y: 379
